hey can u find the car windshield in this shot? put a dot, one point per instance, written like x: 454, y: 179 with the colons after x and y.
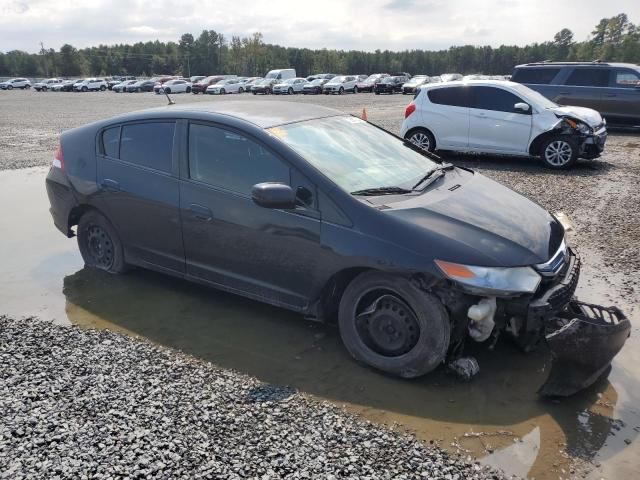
x: 317, y: 81
x: 337, y: 80
x: 354, y: 154
x: 533, y: 96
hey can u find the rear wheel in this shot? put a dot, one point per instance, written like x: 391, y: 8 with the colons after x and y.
x: 241, y: 90
x: 389, y: 324
x: 99, y: 243
x: 188, y: 89
x: 559, y: 152
x: 355, y: 89
x: 423, y: 139
x: 102, y: 88
x: 166, y: 90
x: 222, y: 91
x: 341, y: 91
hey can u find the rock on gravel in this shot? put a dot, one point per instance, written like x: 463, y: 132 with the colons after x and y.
x: 95, y: 404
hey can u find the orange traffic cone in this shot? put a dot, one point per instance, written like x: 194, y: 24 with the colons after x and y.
x: 364, y: 115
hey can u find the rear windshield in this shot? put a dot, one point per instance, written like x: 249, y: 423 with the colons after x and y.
x: 538, y: 76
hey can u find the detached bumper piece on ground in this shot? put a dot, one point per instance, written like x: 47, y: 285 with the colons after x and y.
x: 582, y: 348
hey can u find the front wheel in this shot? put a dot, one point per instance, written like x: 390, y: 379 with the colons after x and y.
x: 559, y: 152
x: 85, y: 89
x: 9, y: 87
x: 166, y: 90
x: 341, y: 91
x: 222, y: 91
x: 390, y: 324
x: 102, y: 88
x: 355, y: 89
x: 99, y: 243
x: 188, y: 89
x: 290, y: 91
x: 241, y: 90
x: 423, y: 139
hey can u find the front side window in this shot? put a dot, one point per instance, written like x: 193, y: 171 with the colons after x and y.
x: 452, y: 96
x: 225, y: 159
x: 626, y: 78
x: 491, y: 98
x: 589, y: 77
x: 148, y: 144
x: 354, y: 154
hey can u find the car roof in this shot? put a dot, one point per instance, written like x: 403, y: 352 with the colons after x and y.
x: 264, y: 114
x: 579, y: 65
x: 462, y: 83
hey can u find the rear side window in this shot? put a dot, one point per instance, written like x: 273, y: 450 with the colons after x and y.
x: 148, y: 144
x: 626, y: 78
x: 491, y: 98
x: 453, y: 96
x: 589, y: 77
x: 223, y: 158
x: 111, y: 142
x: 540, y: 76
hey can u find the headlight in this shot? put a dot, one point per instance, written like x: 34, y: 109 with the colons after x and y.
x: 489, y: 280
x: 580, y: 126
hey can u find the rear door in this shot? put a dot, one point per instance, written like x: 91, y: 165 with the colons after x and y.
x: 494, y: 124
x: 137, y: 175
x: 230, y: 241
x: 622, y: 99
x: 446, y: 114
x: 584, y: 87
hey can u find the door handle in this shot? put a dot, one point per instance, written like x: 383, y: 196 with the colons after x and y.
x: 564, y: 93
x: 201, y: 213
x: 480, y: 115
x: 611, y: 95
x: 109, y: 184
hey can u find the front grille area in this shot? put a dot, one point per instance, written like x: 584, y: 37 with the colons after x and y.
x: 554, y: 295
x: 554, y: 266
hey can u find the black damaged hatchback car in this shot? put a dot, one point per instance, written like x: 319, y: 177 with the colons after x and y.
x: 313, y: 210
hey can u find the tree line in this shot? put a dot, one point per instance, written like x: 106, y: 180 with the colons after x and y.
x: 613, y: 39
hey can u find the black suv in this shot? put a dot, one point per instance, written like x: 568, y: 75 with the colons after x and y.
x: 611, y: 88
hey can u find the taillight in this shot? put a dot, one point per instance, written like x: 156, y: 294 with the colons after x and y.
x: 410, y: 109
x: 58, y: 158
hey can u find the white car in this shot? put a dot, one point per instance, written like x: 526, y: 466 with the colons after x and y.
x: 341, y: 84
x: 22, y: 83
x: 231, y: 85
x: 178, y: 85
x: 247, y: 83
x: 291, y: 86
x: 65, y: 85
x: 90, y: 84
x: 46, y: 84
x: 501, y: 117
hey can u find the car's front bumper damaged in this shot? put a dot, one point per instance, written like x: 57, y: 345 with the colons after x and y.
x: 583, y: 339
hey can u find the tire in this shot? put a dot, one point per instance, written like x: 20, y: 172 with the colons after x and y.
x: 559, y: 152
x: 99, y: 243
x: 290, y: 91
x: 422, y: 139
x: 341, y: 91
x: 102, y: 88
x: 223, y: 91
x: 188, y: 89
x: 355, y: 89
x: 377, y: 92
x: 27, y: 87
x: 407, y: 333
x: 166, y: 90
x: 84, y: 88
x: 241, y: 90
x: 255, y: 93
x: 9, y: 87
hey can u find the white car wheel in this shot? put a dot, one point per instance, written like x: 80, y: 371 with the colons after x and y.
x: 423, y: 140
x: 559, y: 152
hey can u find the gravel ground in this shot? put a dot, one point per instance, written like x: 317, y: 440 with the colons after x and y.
x: 95, y: 404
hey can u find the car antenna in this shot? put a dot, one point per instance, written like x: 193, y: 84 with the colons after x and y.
x: 171, y: 102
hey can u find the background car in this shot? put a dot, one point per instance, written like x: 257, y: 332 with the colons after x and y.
x: 314, y: 87
x: 91, y: 85
x: 611, y: 88
x: 196, y: 78
x: 21, y: 83
x: 230, y: 85
x: 64, y: 86
x: 410, y: 87
x: 142, y: 86
x: 368, y: 83
x: 115, y: 80
x: 341, y: 84
x: 173, y: 86
x: 46, y: 84
x: 500, y: 117
x: 388, y: 85
x: 290, y: 87
x: 264, y: 86
x: 246, y: 83
x: 122, y: 86
x: 451, y: 77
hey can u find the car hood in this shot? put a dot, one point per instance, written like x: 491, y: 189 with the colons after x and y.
x: 480, y: 222
x: 588, y: 115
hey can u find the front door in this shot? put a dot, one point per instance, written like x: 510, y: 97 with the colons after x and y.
x: 622, y: 99
x: 268, y: 254
x: 494, y: 124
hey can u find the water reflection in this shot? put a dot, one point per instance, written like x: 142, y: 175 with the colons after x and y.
x: 280, y: 348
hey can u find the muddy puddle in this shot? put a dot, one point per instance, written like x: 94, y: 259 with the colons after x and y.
x: 497, y: 417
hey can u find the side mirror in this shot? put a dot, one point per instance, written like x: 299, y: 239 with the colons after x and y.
x: 273, y: 195
x: 522, y: 107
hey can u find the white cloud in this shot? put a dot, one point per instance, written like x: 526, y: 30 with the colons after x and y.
x: 343, y: 24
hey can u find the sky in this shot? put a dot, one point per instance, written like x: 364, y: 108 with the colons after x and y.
x: 341, y: 24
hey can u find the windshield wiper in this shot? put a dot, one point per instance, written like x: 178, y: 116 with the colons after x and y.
x: 431, y: 174
x: 382, y: 191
